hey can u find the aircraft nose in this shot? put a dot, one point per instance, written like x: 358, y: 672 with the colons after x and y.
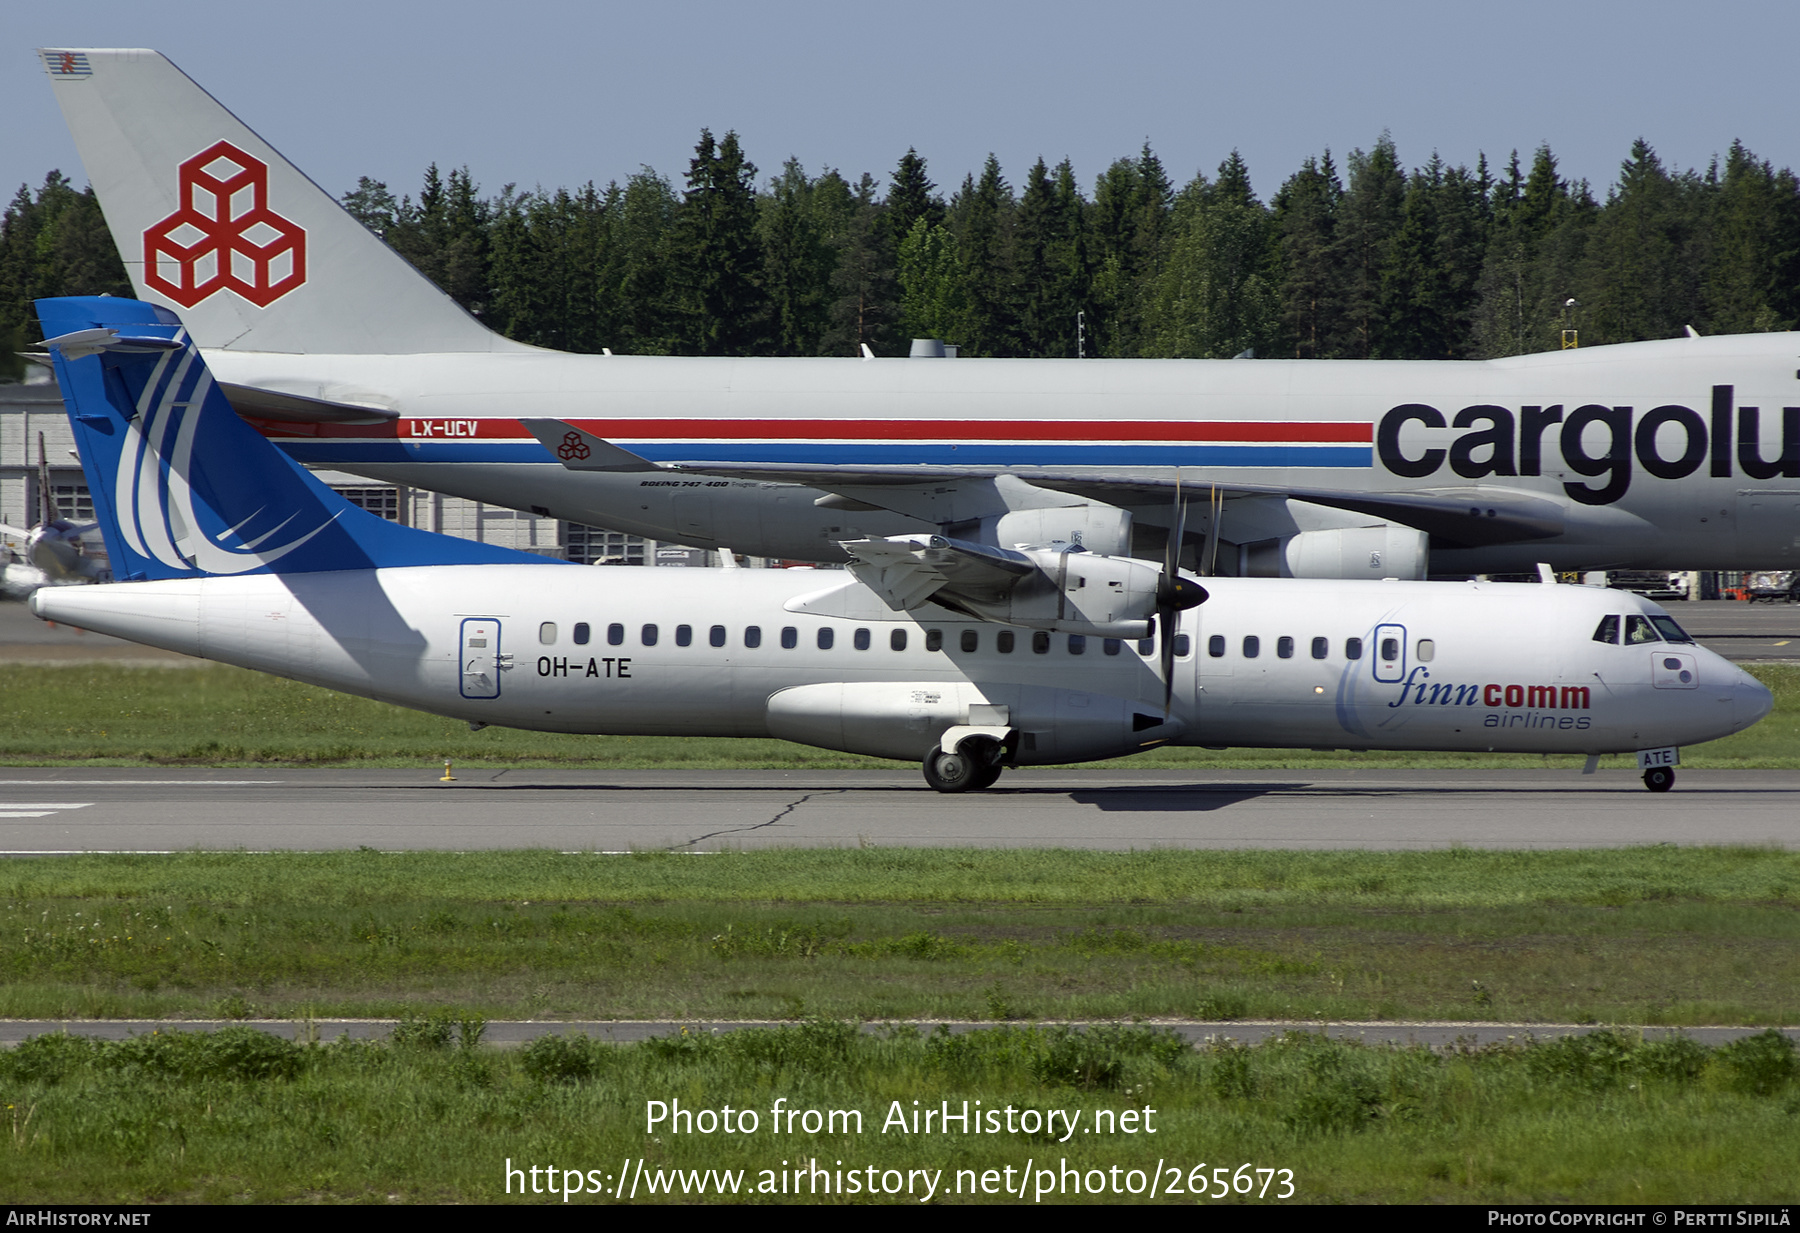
x: 1753, y: 700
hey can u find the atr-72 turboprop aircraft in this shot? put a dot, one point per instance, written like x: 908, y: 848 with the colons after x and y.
x: 1681, y: 454
x: 969, y: 657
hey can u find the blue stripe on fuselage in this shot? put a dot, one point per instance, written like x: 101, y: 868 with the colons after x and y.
x: 1023, y: 454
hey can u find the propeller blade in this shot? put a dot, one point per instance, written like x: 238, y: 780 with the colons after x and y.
x: 1177, y: 528
x: 1174, y: 594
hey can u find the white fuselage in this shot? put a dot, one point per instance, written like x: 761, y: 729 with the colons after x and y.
x: 1350, y: 665
x: 1713, y: 481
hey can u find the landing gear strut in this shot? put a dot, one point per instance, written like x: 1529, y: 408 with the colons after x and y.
x: 975, y: 765
x: 1659, y: 778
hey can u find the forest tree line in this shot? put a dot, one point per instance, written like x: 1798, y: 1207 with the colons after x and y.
x: 1370, y: 260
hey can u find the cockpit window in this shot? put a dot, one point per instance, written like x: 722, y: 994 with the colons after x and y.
x: 1638, y: 630
x: 1670, y: 631
x: 1608, y: 631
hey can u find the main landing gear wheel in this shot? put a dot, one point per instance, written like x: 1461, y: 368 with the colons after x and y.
x: 974, y: 765
x: 952, y: 772
x: 1659, y: 778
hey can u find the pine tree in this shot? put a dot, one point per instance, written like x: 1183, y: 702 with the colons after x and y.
x: 1751, y: 225
x: 648, y: 311
x: 1369, y: 217
x: 796, y: 226
x: 446, y: 237
x: 1128, y: 233
x: 54, y: 244
x: 1639, y: 278
x: 1305, y: 212
x: 1216, y: 295
x: 1049, y: 253
x: 1429, y: 280
x: 910, y: 197
x: 372, y: 205
x: 981, y: 216
x: 717, y: 255
x: 867, y: 302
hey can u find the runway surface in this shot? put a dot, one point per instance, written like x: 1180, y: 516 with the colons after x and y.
x: 166, y: 810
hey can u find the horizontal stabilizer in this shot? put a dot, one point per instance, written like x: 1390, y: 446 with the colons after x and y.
x: 253, y: 402
x: 583, y: 451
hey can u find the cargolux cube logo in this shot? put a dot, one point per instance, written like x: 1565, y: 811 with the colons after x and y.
x: 224, y: 236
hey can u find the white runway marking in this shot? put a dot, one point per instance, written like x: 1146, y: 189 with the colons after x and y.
x: 37, y: 809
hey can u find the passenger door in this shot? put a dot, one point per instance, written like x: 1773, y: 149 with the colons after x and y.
x: 480, y: 658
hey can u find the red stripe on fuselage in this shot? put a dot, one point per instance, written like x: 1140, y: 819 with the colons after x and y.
x: 496, y: 428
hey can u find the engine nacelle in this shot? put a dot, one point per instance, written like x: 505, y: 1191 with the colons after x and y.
x: 905, y: 719
x: 1103, y: 529
x: 1077, y: 592
x: 1385, y: 551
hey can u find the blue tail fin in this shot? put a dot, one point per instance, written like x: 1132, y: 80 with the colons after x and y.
x: 182, y: 487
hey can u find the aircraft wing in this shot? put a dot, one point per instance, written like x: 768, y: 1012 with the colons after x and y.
x: 1453, y: 517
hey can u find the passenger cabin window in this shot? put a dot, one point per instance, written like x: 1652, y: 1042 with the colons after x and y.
x: 648, y: 635
x: 1252, y: 646
x: 1146, y: 647
x: 1638, y: 630
x: 1111, y: 646
x: 1078, y: 644
x: 684, y: 635
x: 790, y: 637
x: 716, y: 635
x: 1182, y: 646
x: 1427, y: 650
x: 1004, y: 641
x: 1321, y: 647
x: 1390, y: 649
x: 860, y: 640
x: 615, y: 634
x: 753, y: 636
x: 581, y: 633
x: 1215, y: 646
x: 897, y: 640
x: 971, y: 641
x: 934, y: 640
x: 1040, y: 642
x: 1284, y: 647
x: 1353, y: 648
x: 826, y: 637
x: 1608, y: 630
x: 547, y: 633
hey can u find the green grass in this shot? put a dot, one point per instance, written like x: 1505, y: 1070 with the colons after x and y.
x: 223, y: 716
x: 1643, y: 935
x: 236, y: 1115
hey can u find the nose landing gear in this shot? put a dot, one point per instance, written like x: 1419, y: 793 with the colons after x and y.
x: 1659, y: 778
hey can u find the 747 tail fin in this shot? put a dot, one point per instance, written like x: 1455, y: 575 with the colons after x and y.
x: 182, y: 487
x: 212, y: 221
